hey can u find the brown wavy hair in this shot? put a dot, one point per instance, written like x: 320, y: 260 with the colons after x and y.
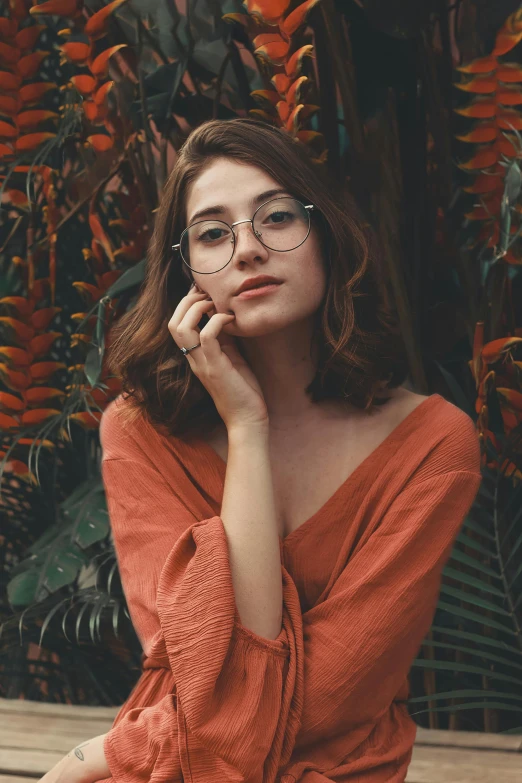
x: 360, y: 349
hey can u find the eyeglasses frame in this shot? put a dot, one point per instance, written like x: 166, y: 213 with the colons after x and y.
x: 237, y: 222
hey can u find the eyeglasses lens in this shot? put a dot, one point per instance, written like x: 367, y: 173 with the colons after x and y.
x: 282, y: 224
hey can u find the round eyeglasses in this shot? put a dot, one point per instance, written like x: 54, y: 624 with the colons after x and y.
x: 281, y: 224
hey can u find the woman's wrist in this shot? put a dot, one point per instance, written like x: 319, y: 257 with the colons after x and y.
x: 240, y: 434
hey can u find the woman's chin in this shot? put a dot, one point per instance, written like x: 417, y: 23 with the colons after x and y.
x: 259, y: 328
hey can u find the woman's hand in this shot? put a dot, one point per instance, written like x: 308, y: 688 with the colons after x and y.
x: 84, y: 764
x: 217, y: 362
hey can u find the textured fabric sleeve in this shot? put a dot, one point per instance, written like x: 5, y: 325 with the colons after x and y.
x: 234, y: 696
x: 360, y: 642
x: 143, y: 745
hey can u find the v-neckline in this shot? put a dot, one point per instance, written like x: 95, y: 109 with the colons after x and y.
x: 353, y: 476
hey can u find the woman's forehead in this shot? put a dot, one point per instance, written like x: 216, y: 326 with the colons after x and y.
x: 227, y: 180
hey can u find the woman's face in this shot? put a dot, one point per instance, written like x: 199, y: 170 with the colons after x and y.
x: 235, y: 185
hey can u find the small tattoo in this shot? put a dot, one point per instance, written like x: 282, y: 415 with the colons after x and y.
x: 78, y: 753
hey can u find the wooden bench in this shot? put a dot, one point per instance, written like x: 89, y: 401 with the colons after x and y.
x: 35, y: 735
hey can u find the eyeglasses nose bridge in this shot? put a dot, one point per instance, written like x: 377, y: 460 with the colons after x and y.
x: 246, y: 220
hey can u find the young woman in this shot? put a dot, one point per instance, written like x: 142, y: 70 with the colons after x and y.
x: 282, y: 506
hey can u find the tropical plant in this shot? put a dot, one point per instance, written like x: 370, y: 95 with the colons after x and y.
x: 95, y: 100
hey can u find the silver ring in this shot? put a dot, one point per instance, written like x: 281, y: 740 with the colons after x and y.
x: 188, y: 350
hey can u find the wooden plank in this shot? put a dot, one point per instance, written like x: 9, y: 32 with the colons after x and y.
x: 460, y: 765
x: 29, y: 763
x: 56, y: 735
x: 69, y: 711
x: 469, y: 739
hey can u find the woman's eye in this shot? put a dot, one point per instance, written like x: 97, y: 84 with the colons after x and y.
x: 279, y: 216
x: 210, y: 235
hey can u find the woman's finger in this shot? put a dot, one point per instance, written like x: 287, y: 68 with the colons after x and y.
x: 186, y: 327
x: 208, y: 336
x: 186, y: 303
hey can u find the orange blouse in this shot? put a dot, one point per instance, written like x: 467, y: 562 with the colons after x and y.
x: 216, y: 703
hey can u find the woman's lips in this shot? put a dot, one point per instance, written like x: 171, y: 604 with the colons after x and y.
x: 250, y: 293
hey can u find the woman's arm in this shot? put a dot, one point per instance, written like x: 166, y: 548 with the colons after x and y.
x: 86, y: 763
x: 249, y: 517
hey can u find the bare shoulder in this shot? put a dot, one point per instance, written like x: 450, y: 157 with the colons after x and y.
x: 402, y: 402
x: 458, y: 445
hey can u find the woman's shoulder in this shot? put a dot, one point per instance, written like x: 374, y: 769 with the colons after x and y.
x: 448, y: 431
x: 123, y: 429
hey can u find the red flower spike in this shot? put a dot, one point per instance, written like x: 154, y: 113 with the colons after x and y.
x: 41, y: 319
x: 270, y: 11
x: 8, y: 105
x: 7, y: 131
x: 7, y: 422
x: 14, y: 379
x: 8, y: 28
x: 485, y: 183
x: 16, y: 356
x: 47, y: 444
x: 67, y: 8
x: 9, y: 54
x: 509, y: 72
x: 96, y: 27
x: 77, y: 52
x: 294, y: 93
x: 33, y: 117
x: 22, y: 331
x: 11, y: 403
x: 40, y: 371
x: 41, y: 344
x: 27, y: 37
x: 509, y: 120
x: 479, y: 65
x: 480, y: 86
x: 265, y: 38
x: 38, y: 394
x: 482, y: 133
x: 18, y: 198
x: 293, y: 66
x: 38, y: 415
x: 297, y: 17
x: 283, y: 109
x: 20, y: 303
x: 17, y: 9
x: 509, y: 97
x: 281, y: 82
x: 484, y: 159
x: 102, y: 93
x: 480, y: 109
x: 28, y: 66
x: 505, y: 41
x: 88, y: 419
x: 9, y: 81
x: 92, y: 291
x: 84, y: 83
x: 32, y: 140
x: 31, y: 93
x: 275, y: 52
x: 100, y: 64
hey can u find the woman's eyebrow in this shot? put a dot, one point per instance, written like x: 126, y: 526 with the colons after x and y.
x: 219, y: 209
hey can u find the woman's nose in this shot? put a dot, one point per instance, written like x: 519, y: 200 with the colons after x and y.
x: 247, y: 241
